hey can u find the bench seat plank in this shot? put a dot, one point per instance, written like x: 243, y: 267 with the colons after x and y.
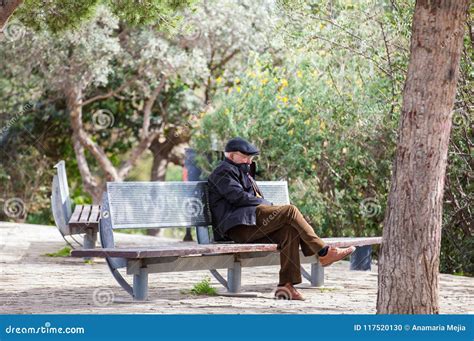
x: 86, y: 211
x: 84, y: 217
x: 76, y: 214
x: 198, y: 249
x: 170, y: 251
x: 352, y: 241
x: 95, y: 213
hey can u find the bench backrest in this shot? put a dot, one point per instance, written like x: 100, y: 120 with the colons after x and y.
x: 60, y: 199
x: 171, y: 203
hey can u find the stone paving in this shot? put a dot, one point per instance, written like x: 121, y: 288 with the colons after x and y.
x: 33, y: 283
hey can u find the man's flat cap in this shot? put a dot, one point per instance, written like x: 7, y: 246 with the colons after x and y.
x: 238, y: 144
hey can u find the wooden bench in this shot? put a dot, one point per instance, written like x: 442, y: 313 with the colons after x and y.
x: 83, y: 220
x: 185, y: 204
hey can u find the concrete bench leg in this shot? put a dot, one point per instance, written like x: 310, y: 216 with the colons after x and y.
x: 90, y: 239
x: 317, y: 275
x: 361, y: 258
x: 234, y: 278
x: 140, y: 286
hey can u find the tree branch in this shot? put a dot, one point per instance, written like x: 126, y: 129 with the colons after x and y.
x: 225, y: 60
x: 146, y: 136
x: 74, y: 105
x: 147, y: 109
x: 376, y: 63
x: 110, y: 93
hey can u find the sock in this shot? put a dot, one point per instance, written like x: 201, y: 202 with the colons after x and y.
x: 323, y: 251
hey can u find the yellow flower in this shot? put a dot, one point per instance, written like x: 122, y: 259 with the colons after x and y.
x: 219, y: 80
x: 283, y: 99
x: 299, y: 100
x: 307, y: 122
x: 290, y: 132
x: 264, y: 81
x: 275, y: 79
x: 313, y: 166
x: 284, y: 83
x: 299, y: 74
x: 322, y: 125
x: 237, y: 81
x: 238, y: 89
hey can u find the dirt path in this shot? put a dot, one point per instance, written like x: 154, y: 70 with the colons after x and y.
x: 34, y: 283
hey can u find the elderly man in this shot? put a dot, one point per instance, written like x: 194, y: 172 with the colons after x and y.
x: 241, y: 213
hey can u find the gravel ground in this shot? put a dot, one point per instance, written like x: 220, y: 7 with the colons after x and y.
x: 33, y: 283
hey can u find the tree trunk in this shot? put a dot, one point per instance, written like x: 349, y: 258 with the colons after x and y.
x: 162, y: 156
x: 158, y: 168
x: 158, y: 173
x: 160, y: 152
x: 409, y: 261
x: 7, y: 7
x: 90, y: 183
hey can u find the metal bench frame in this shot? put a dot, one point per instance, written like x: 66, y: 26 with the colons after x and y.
x: 68, y: 222
x: 207, y: 255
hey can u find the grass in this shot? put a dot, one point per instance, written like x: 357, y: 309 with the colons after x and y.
x: 202, y: 288
x: 64, y: 252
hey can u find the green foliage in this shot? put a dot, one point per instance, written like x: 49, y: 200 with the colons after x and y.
x: 61, y: 15
x: 324, y: 132
x: 322, y: 102
x: 174, y: 173
x: 64, y: 252
x: 55, y: 15
x: 203, y: 288
x: 325, y: 117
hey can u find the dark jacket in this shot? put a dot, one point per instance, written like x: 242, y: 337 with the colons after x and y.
x: 232, y: 199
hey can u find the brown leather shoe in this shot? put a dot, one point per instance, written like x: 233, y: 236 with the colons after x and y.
x: 288, y: 292
x: 335, y: 254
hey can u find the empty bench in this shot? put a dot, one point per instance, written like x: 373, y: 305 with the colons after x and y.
x: 128, y: 205
x: 83, y: 220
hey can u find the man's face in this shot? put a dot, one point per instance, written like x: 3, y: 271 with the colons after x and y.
x: 239, y: 157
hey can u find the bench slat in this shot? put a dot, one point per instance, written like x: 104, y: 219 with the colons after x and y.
x: 79, y: 223
x: 94, y: 217
x: 170, y: 251
x: 86, y: 211
x: 352, y: 241
x: 196, y: 249
x: 76, y: 214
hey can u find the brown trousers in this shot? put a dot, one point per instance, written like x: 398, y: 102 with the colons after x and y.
x: 283, y: 225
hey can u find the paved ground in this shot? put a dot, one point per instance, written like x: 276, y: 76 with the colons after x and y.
x: 34, y: 283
